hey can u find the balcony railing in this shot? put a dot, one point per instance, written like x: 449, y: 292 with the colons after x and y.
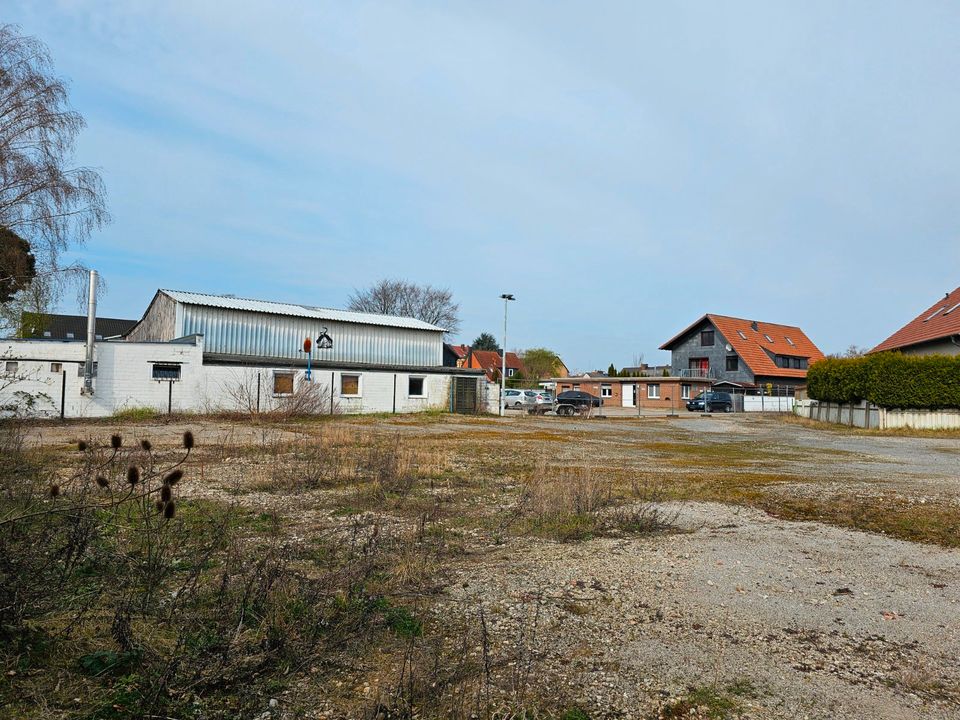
x: 710, y: 373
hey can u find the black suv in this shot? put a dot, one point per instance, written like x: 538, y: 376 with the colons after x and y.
x: 714, y: 401
x: 573, y: 401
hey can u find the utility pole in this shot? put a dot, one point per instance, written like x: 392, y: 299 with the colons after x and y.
x: 506, y: 297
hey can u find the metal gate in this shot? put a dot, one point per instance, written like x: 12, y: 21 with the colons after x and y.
x: 464, y: 395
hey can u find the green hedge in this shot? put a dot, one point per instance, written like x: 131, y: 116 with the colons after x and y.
x: 890, y: 380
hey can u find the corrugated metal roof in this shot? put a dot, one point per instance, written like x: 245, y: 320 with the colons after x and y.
x: 306, y: 311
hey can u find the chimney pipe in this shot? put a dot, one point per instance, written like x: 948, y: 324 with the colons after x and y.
x: 91, y: 334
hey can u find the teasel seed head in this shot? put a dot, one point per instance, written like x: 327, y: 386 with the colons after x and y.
x: 166, y: 493
x: 82, y: 446
x: 102, y: 481
x: 133, y: 474
x: 174, y: 477
x: 116, y: 441
x: 188, y: 440
x: 54, y: 490
x: 146, y: 445
x: 169, y: 510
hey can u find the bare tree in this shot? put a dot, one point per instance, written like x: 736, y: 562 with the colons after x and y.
x: 406, y: 299
x: 44, y: 199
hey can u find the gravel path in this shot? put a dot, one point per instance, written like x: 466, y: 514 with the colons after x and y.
x: 824, y: 622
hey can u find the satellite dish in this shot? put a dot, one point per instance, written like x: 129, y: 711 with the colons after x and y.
x: 729, y: 347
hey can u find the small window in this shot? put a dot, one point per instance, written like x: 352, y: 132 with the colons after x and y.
x: 685, y: 391
x: 606, y: 391
x: 350, y: 385
x: 69, y: 336
x: 576, y: 386
x: 10, y: 367
x: 952, y: 309
x: 741, y: 334
x: 653, y: 391
x: 166, y: 372
x: 934, y: 314
x: 56, y: 368
x: 733, y: 363
x: 510, y: 372
x: 46, y: 333
x: 415, y: 387
x: 769, y: 339
x: 283, y: 383
x: 706, y: 338
x: 789, y: 341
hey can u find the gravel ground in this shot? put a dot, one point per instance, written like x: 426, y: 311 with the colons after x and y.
x: 825, y: 623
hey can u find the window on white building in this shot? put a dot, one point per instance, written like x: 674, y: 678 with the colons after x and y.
x: 415, y: 387
x: 56, y: 368
x: 653, y: 391
x: 685, y: 391
x: 349, y: 385
x: 10, y: 367
x: 606, y: 390
x: 283, y: 383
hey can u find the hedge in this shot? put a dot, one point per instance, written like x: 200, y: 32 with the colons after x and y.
x: 889, y: 380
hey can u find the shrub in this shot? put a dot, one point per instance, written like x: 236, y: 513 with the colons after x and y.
x: 889, y: 380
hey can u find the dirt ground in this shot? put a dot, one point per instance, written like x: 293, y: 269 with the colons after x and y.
x: 765, y: 601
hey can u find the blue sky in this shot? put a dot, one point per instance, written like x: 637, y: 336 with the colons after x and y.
x: 621, y: 167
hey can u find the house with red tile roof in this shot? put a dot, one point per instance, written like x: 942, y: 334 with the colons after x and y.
x: 491, y: 362
x: 742, y: 353
x: 935, y: 331
x: 455, y: 355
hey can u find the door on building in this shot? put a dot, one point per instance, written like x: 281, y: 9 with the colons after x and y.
x: 464, y: 395
x: 629, y: 395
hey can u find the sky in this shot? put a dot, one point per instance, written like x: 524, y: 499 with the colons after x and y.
x: 620, y: 167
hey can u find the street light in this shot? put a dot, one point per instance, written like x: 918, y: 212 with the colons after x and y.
x: 506, y: 297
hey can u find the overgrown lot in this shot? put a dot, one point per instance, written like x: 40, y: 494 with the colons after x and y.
x: 232, y: 569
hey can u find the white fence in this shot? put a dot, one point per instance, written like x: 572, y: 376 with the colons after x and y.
x: 766, y: 403
x: 868, y: 415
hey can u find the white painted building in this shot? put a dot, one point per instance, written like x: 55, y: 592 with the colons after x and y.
x: 181, y: 374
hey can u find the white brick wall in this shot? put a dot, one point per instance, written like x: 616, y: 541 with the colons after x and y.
x: 124, y: 381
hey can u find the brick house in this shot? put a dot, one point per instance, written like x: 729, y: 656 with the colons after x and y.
x: 935, y: 331
x: 742, y: 353
x: 491, y: 362
x: 647, y: 392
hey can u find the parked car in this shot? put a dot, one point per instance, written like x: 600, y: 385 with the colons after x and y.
x: 519, y: 398
x: 574, y: 401
x: 714, y: 401
x: 543, y: 402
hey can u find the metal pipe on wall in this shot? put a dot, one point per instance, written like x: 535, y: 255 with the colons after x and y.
x: 91, y: 334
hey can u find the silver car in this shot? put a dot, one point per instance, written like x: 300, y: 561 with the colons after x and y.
x: 519, y: 398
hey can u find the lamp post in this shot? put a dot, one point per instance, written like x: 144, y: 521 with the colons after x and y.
x: 506, y: 297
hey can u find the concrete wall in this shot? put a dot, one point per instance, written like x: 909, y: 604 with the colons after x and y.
x: 689, y: 347
x: 865, y: 415
x: 124, y: 381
